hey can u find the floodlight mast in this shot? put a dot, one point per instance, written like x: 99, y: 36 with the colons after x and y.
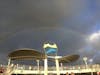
x: 85, y: 61
x: 55, y: 57
x: 9, y: 62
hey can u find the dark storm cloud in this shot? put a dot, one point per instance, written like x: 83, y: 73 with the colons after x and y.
x: 26, y: 23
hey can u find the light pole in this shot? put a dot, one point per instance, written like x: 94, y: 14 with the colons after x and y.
x: 85, y: 61
x: 9, y: 61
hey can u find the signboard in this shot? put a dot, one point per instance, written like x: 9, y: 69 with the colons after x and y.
x: 50, y: 48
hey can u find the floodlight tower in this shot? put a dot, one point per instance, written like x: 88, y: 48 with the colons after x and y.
x: 50, y: 50
x: 9, y: 62
x: 85, y: 61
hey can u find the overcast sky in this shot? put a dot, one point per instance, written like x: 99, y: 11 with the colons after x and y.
x: 68, y: 23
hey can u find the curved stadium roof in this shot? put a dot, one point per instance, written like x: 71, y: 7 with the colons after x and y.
x: 26, y: 54
x: 69, y: 58
x: 32, y: 54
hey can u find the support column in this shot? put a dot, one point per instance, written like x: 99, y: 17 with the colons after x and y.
x: 38, y: 65
x: 61, y: 65
x: 57, y: 66
x: 45, y: 66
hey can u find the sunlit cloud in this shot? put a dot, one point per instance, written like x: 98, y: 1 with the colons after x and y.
x: 95, y: 36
